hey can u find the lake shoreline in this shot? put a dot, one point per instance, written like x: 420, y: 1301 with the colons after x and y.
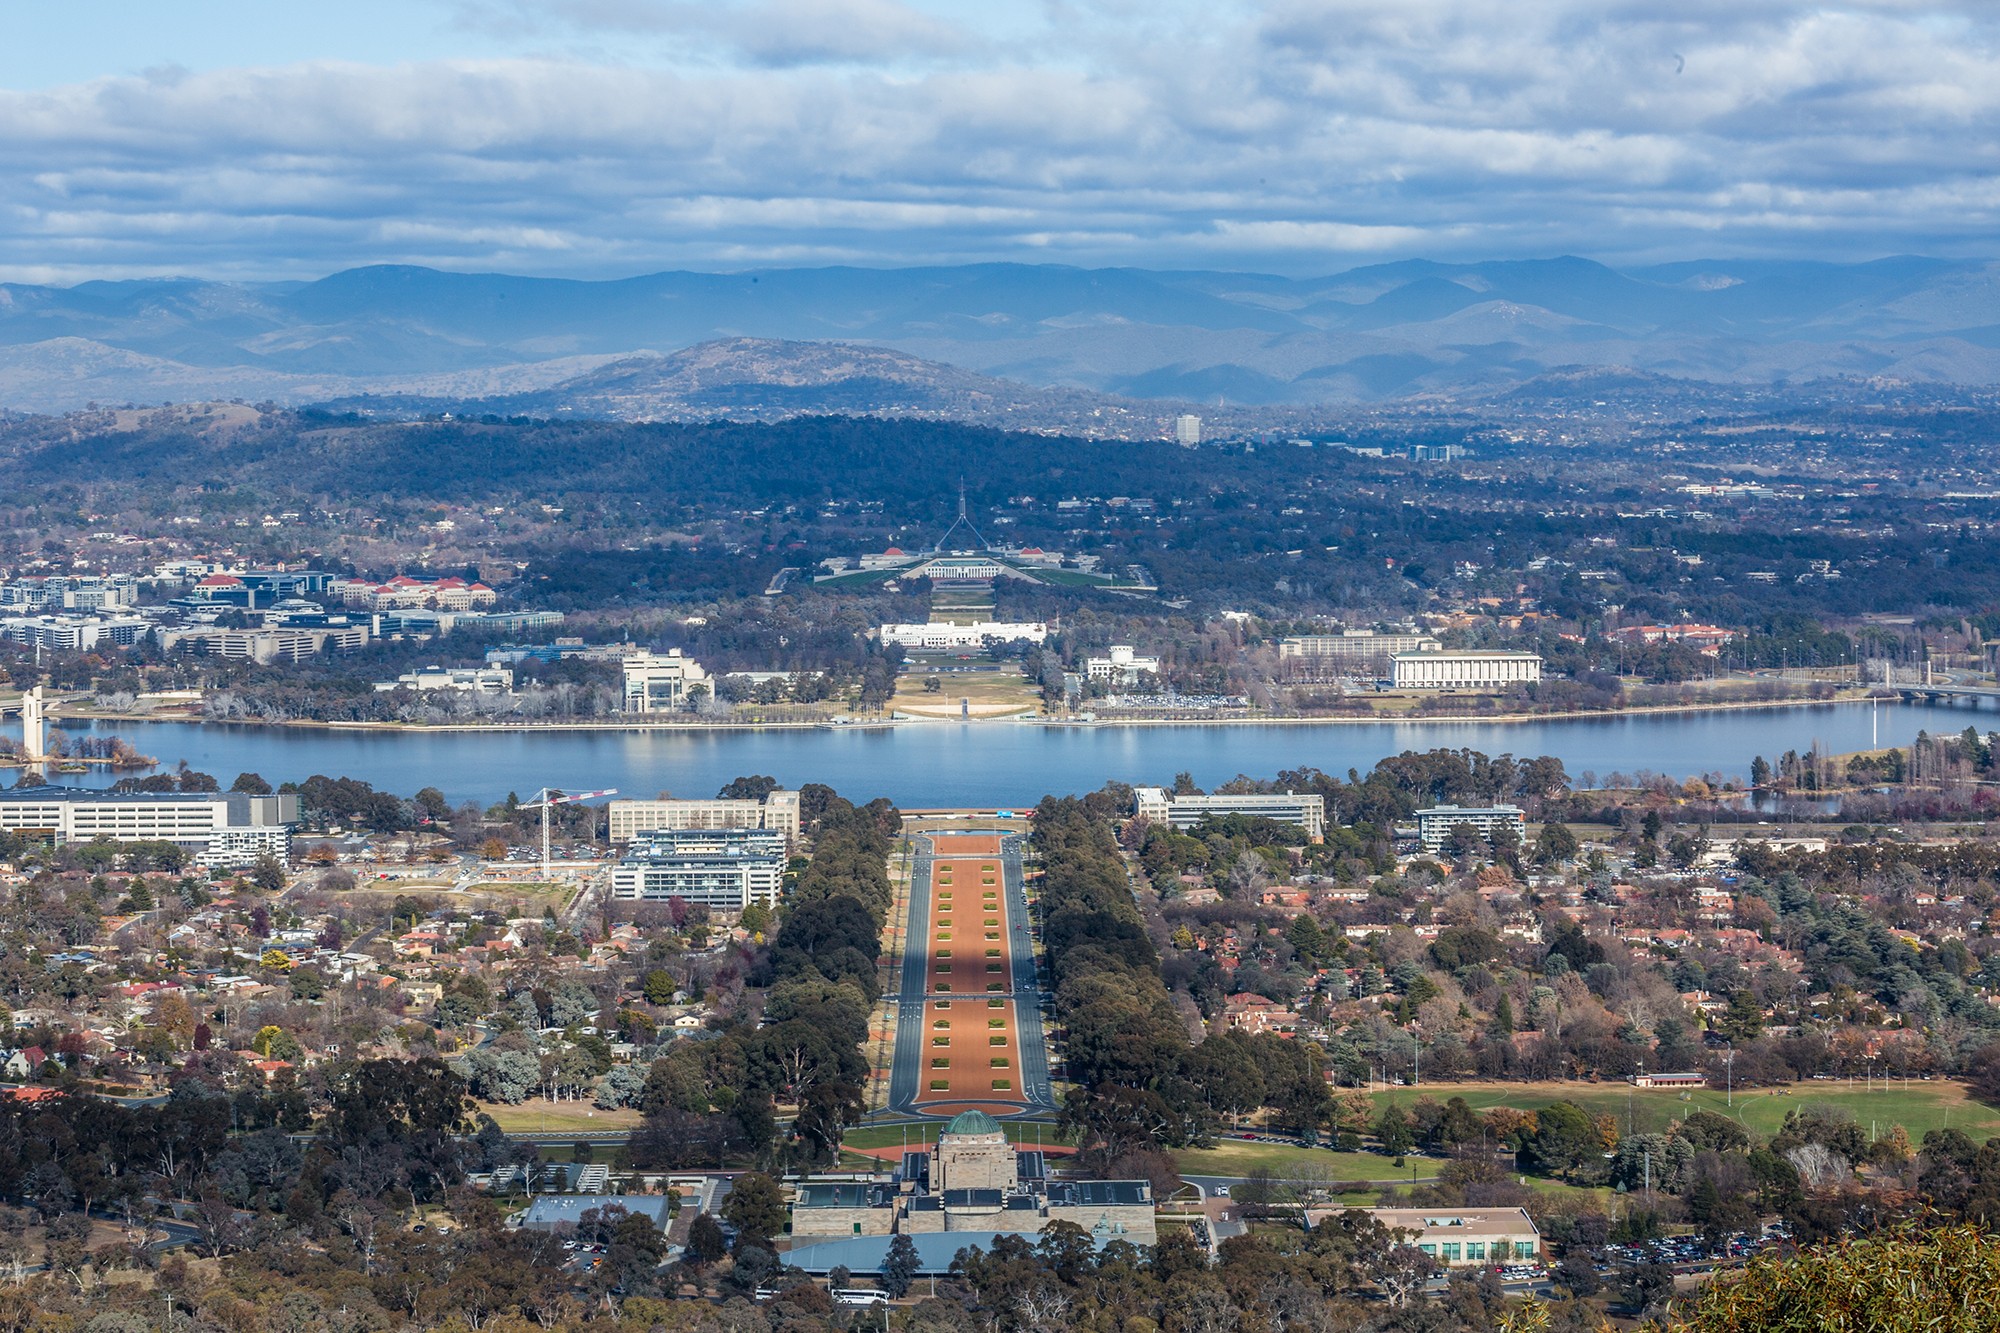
x: 1016, y: 719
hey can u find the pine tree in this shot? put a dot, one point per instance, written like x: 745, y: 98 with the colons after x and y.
x: 1503, y: 1018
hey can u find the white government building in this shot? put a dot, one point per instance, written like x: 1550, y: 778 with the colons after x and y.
x: 1157, y: 805
x: 1353, y: 645
x: 940, y: 634
x: 1121, y: 662
x: 1464, y: 670
x: 466, y: 680
x: 660, y: 682
x: 222, y: 828
x: 632, y: 819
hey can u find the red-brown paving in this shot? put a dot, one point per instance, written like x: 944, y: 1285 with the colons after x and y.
x: 970, y: 1044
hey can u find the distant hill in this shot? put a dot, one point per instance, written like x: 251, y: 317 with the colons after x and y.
x: 1368, y: 334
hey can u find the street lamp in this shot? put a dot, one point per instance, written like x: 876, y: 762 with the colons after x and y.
x: 1729, y: 1067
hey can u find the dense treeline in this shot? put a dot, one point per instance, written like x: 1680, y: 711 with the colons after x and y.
x: 1141, y: 1085
x: 709, y: 1102
x: 622, y: 500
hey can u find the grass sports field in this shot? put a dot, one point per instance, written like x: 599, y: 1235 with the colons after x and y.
x: 1916, y: 1105
x: 539, y: 1117
x: 972, y: 1055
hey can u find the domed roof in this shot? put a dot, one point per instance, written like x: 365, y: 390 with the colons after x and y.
x: 972, y: 1122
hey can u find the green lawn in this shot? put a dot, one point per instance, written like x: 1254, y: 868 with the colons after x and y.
x: 539, y: 1117
x: 1066, y: 578
x: 1237, y: 1158
x: 1917, y: 1106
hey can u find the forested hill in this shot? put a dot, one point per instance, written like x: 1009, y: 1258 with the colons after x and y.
x: 331, y: 459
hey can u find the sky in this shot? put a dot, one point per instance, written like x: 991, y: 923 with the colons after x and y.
x: 593, y: 138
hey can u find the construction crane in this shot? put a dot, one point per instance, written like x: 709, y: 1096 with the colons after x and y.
x: 547, y: 799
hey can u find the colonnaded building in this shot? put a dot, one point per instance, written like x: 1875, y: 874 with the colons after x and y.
x: 972, y: 1186
x: 1464, y: 671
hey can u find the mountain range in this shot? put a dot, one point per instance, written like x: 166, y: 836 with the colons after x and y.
x: 1068, y: 339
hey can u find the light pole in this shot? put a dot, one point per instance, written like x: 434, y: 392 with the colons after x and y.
x: 1729, y: 1066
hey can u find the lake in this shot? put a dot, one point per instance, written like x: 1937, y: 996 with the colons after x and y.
x: 1000, y: 764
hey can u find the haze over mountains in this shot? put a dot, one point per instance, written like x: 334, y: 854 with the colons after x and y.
x: 1368, y: 334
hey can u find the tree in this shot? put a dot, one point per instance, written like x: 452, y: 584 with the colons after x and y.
x: 1648, y: 1288
x: 1577, y: 1273
x: 755, y: 1207
x: 268, y: 875
x: 899, y: 1266
x: 1397, y: 1133
x: 431, y: 804
x: 1565, y: 1138
x: 1555, y: 845
x: 1941, y: 1277
x: 705, y: 1243
x: 1743, y: 1021
x: 1305, y: 936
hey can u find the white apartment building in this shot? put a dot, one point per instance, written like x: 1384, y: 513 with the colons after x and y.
x: 240, y: 848
x: 1157, y: 805
x: 1121, y: 663
x: 661, y: 682
x: 1464, y: 670
x: 1187, y: 430
x: 722, y: 869
x: 195, y: 820
x: 632, y: 820
x: 470, y: 680
x: 939, y: 635
x: 1434, y: 826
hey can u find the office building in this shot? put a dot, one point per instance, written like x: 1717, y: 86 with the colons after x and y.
x: 73, y: 633
x: 1187, y: 431
x: 264, y: 645
x: 1349, y: 649
x: 404, y: 593
x: 1434, y: 826
x: 69, y: 592
x: 662, y: 682
x: 778, y: 812
x: 724, y: 870
x: 466, y: 680
x: 1464, y: 670
x: 194, y: 820
x: 1157, y: 805
x: 1457, y: 1237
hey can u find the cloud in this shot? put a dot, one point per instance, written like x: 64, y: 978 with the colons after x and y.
x: 622, y: 135
x: 778, y: 33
